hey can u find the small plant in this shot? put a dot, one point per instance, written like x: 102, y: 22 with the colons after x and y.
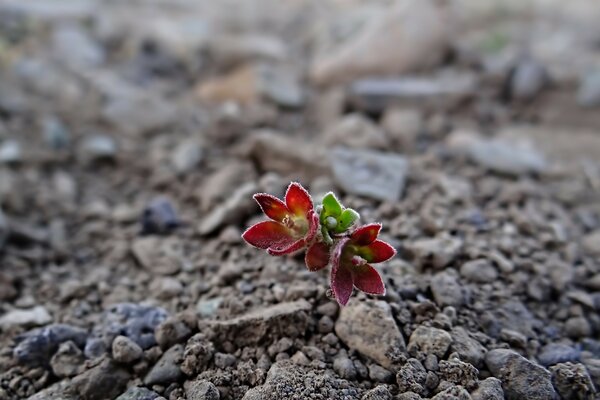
x: 330, y: 233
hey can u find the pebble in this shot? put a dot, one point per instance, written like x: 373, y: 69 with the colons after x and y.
x: 199, y: 350
x: 554, y: 353
x: 355, y: 130
x: 521, y: 379
x: 236, y: 207
x: 75, y: 48
x: 467, y: 347
x: 94, y: 348
x: 202, y: 390
x: 369, y: 327
x: 411, y: 377
x: 138, y: 393
x: 403, y: 126
x: 37, y: 346
x: 572, y: 381
x: 224, y: 361
x: 588, y: 94
x: 281, y: 86
x: 68, y: 360
x: 489, y: 389
x: 379, y: 392
x: 104, y: 381
x: 125, y: 350
x: 578, y: 327
x: 480, y: 271
x: 427, y: 340
x: 454, y: 393
x: 98, y: 147
x: 187, y: 155
x: 208, y: 308
x: 172, y: 331
x: 35, y: 316
x: 159, y: 216
x: 135, y: 321
x: 10, y: 152
x: 514, y: 338
x: 165, y: 288
x: 166, y: 370
x: 591, y: 243
x: 376, y: 175
x: 528, y: 79
x: 379, y: 374
x: 446, y: 290
x: 344, y: 366
x: 437, y: 252
x: 325, y: 324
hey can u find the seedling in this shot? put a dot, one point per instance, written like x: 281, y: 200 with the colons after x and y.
x: 330, y: 233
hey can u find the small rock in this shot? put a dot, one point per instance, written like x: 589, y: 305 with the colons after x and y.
x: 98, y: 147
x: 380, y: 176
x: 94, y: 348
x: 68, y: 360
x: 199, y: 350
x: 138, y: 393
x: 588, y: 94
x: 187, y: 155
x: 489, y: 389
x: 446, y: 290
x: 300, y: 358
x: 104, y: 381
x: 35, y: 316
x: 356, y: 131
x: 403, y: 126
x: 527, y: 80
x: 161, y: 256
x: 202, y: 390
x: 10, y: 152
x: 453, y: 393
x: 578, y: 327
x: 344, y: 366
x: 281, y: 87
x: 572, y: 381
x: 377, y: 393
x: 159, y: 216
x: 554, y: 353
x: 369, y: 327
x: 458, y: 373
x: 521, y: 379
x: 273, y: 322
x: 208, y: 308
x: 379, y: 374
x: 75, y: 48
x: 135, y: 321
x: 125, y: 350
x: 437, y: 252
x: 172, y: 331
x: 166, y: 370
x: 230, y: 50
x: 231, y: 211
x: 165, y: 288
x: 427, y: 340
x: 411, y: 377
x: 512, y: 315
x: 223, y: 360
x: 591, y: 243
x: 220, y: 184
x: 467, y: 348
x: 481, y: 271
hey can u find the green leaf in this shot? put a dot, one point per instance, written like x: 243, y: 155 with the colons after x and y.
x: 348, y: 217
x: 331, y: 206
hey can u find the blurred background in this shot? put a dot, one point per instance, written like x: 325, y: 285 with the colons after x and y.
x: 134, y: 133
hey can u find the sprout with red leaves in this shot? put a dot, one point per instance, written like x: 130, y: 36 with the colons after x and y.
x: 330, y: 235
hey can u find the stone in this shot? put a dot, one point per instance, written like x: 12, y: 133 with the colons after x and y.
x: 446, y: 290
x: 220, y: 184
x: 137, y: 322
x: 35, y: 316
x: 138, y: 393
x: 480, y: 271
x: 426, y: 340
x: 458, y: 372
x: 355, y: 130
x: 373, y: 95
x: 489, y: 389
x: 437, y: 252
x: 281, y: 86
x: 199, y: 350
x: 262, y: 325
x: 376, y: 175
x: 521, y: 378
x: 591, y: 243
x: 75, y: 48
x: 132, y: 111
x: 467, y: 347
x: 166, y: 370
x: 588, y: 94
x: 240, y: 85
x: 172, y: 331
x: 286, y: 380
x: 68, y: 360
x: 231, y: 50
x: 98, y: 147
x: 159, y: 216
x: 165, y: 287
x: 187, y: 155
x: 344, y: 367
x: 125, y: 350
x: 411, y: 377
x: 223, y: 360
x: 572, y: 381
x: 379, y: 374
x: 578, y: 327
x: 527, y: 79
x: 452, y: 393
x: 202, y: 390
x: 11, y: 152
x: 369, y: 328
x: 403, y: 126
x: 208, y: 308
x: 390, y: 45
x: 158, y: 255
x: 94, y: 348
x: 379, y: 392
x: 232, y: 210
x: 554, y: 353
x: 104, y: 381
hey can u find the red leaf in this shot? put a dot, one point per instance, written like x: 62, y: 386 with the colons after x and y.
x: 317, y: 256
x: 272, y: 206
x: 341, y: 283
x: 365, y: 234
x: 367, y: 279
x: 298, y: 200
x: 377, y: 252
x: 267, y: 234
x: 286, y: 248
x: 313, y: 227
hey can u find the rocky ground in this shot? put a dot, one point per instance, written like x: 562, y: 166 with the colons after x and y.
x: 133, y: 134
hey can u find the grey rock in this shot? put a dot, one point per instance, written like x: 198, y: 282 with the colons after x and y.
x: 55, y: 133
x: 578, y: 327
x: 408, y: 396
x: 166, y: 370
x: 208, y: 308
x: 528, y: 79
x: 68, y: 360
x: 452, y: 393
x: 514, y: 338
x: 489, y: 389
x: 281, y: 87
x: 344, y: 367
x: 202, y: 390
x: 355, y: 130
x: 223, y: 360
x: 199, y: 350
x: 35, y: 316
x: 369, y: 327
x: 554, y: 353
x: 521, y: 378
x: 98, y: 147
x: 427, y: 340
x: 262, y: 325
x: 572, y: 381
x: 35, y: 347
x: 125, y: 350
x: 411, y: 377
x: 94, y: 348
x: 458, y: 372
x: 481, y: 271
x: 75, y: 48
x: 135, y: 321
x: 377, y: 393
x: 187, y: 155
x: 379, y: 374
x: 588, y: 94
x: 138, y: 393
x: 507, y: 158
x: 11, y: 152
x: 437, y: 252
x: 172, y: 331
x: 232, y: 210
x: 591, y: 243
x: 512, y: 315
x: 403, y: 126
x: 162, y: 256
x: 159, y: 216
x: 446, y: 290
x: 165, y: 287
x: 104, y: 381
x: 467, y: 348
x: 132, y: 111
x: 380, y: 176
